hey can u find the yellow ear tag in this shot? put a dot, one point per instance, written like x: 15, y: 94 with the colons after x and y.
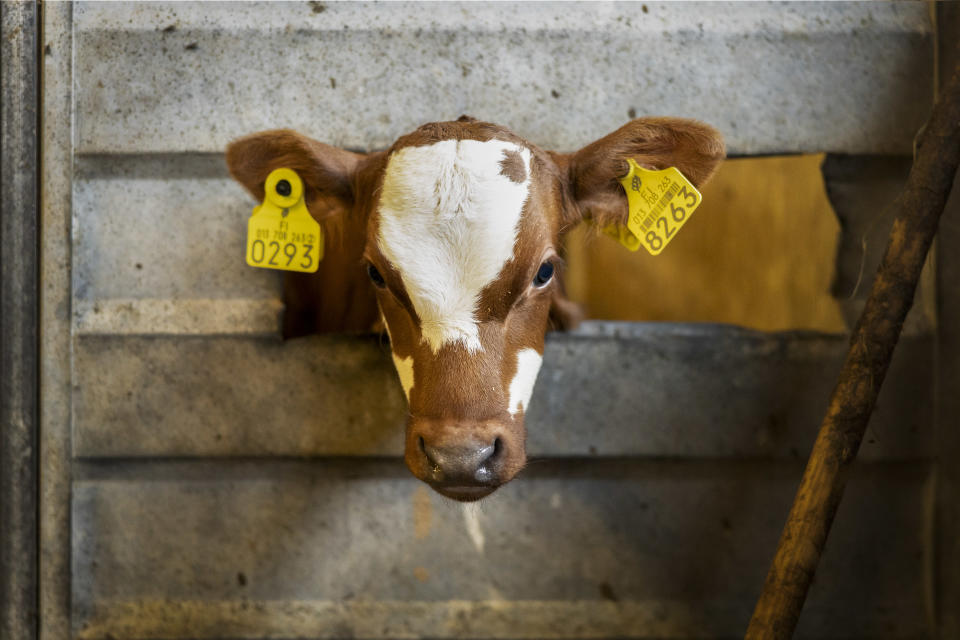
x: 281, y: 234
x: 660, y: 203
x: 623, y: 235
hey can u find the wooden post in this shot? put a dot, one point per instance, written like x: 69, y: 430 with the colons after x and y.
x: 919, y: 207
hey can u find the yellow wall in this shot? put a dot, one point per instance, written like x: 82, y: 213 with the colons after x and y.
x: 759, y: 252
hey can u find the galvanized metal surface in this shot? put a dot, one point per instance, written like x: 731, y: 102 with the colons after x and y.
x: 947, y: 517
x: 55, y: 345
x: 774, y: 78
x: 568, y: 550
x: 948, y: 420
x: 608, y: 390
x: 175, y: 356
x: 19, y: 235
x: 861, y: 190
x: 144, y: 230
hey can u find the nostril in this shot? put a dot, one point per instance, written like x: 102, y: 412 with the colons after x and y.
x: 491, y: 452
x: 488, y: 459
x: 458, y: 463
x: 431, y: 460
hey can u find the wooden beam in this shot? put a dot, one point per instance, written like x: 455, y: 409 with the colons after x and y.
x: 919, y: 207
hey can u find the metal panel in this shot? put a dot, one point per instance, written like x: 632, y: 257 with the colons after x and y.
x: 861, y: 189
x: 19, y: 94
x: 361, y: 549
x: 193, y: 280
x: 609, y: 390
x: 174, y: 355
x: 773, y: 77
x: 947, y: 559
x: 55, y: 344
x: 144, y: 230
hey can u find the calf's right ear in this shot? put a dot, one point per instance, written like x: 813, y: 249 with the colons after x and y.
x: 594, y: 172
x: 327, y: 172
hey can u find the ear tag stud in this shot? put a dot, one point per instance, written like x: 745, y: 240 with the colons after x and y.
x: 281, y: 234
x: 660, y: 203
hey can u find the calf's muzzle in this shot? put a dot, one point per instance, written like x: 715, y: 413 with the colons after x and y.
x: 463, y: 461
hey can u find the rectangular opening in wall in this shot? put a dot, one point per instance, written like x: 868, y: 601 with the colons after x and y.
x: 759, y: 252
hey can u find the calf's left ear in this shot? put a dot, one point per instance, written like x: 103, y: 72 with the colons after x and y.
x: 327, y: 172
x: 696, y: 149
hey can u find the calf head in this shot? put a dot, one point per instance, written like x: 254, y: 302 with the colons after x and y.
x: 454, y: 235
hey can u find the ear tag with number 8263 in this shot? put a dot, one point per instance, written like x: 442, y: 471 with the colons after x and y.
x: 281, y: 234
x: 660, y: 203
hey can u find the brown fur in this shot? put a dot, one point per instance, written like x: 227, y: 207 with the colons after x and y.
x: 512, y: 166
x: 338, y: 297
x: 655, y: 143
x: 459, y: 399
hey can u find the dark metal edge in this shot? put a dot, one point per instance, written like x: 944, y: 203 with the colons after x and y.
x: 19, y: 271
x: 946, y: 558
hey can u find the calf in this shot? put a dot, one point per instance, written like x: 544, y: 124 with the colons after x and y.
x: 451, y: 238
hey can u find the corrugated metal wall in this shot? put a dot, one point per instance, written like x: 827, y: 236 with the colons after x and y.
x: 204, y: 479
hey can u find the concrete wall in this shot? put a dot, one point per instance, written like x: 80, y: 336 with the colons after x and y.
x: 205, y: 480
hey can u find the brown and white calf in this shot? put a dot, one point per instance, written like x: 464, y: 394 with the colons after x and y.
x: 452, y: 238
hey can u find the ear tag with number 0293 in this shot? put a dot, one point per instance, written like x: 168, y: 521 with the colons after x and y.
x: 660, y: 203
x: 281, y: 234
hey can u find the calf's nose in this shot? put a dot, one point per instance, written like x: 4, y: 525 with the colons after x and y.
x: 467, y: 463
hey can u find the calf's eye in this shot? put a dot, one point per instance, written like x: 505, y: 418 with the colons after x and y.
x: 544, y: 274
x: 375, y: 276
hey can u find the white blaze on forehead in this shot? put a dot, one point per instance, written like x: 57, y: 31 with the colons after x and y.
x: 448, y: 223
x: 521, y: 387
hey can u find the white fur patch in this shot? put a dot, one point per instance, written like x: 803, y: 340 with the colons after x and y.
x: 448, y: 223
x: 405, y: 369
x: 404, y: 365
x: 521, y: 387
